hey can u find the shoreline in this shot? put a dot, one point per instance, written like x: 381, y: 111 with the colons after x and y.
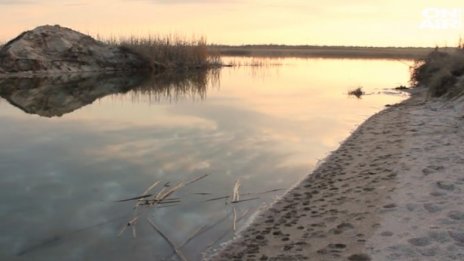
x: 389, y: 192
x: 308, y: 51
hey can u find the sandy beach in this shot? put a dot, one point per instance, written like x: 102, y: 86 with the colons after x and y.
x: 392, y: 191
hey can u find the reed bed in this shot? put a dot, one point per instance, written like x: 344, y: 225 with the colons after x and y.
x: 171, y: 52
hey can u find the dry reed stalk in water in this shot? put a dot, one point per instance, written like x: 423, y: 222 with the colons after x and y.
x: 150, y: 188
x: 157, y: 196
x: 161, y: 197
x: 131, y: 222
x: 236, y: 193
x: 176, y: 250
x: 196, y: 179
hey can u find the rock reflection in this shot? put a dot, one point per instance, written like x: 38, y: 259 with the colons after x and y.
x: 58, y: 95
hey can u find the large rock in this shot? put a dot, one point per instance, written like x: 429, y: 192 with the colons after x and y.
x: 55, y: 49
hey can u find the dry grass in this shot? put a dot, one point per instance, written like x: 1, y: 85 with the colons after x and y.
x: 171, y: 52
x: 441, y: 72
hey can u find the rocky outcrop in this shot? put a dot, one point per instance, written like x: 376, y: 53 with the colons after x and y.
x: 55, y: 49
x: 59, y: 95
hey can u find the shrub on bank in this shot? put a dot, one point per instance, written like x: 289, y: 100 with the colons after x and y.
x: 441, y: 72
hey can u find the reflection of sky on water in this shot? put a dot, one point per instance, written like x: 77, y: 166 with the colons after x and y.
x: 60, y: 176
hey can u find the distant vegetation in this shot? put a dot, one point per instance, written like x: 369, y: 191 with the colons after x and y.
x: 441, y: 72
x: 171, y: 52
x: 307, y: 51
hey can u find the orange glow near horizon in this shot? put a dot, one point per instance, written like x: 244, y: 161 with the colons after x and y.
x: 333, y: 22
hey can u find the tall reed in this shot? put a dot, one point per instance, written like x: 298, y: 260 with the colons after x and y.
x: 171, y: 51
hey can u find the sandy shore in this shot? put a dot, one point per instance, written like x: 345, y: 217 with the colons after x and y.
x: 392, y: 191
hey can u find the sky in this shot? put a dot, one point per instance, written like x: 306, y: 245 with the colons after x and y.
x: 235, y: 22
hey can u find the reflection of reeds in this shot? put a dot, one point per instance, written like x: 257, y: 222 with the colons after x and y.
x: 257, y: 66
x: 227, y: 232
x: 254, y: 62
x: 173, y: 86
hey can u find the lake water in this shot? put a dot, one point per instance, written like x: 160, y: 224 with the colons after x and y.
x: 267, y: 126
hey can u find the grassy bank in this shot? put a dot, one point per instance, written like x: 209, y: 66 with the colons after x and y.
x: 171, y: 52
x: 322, y: 51
x: 442, y: 72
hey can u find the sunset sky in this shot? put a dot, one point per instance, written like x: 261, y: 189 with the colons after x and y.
x: 329, y: 22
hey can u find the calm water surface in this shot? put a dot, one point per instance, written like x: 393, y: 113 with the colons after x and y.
x: 268, y: 126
